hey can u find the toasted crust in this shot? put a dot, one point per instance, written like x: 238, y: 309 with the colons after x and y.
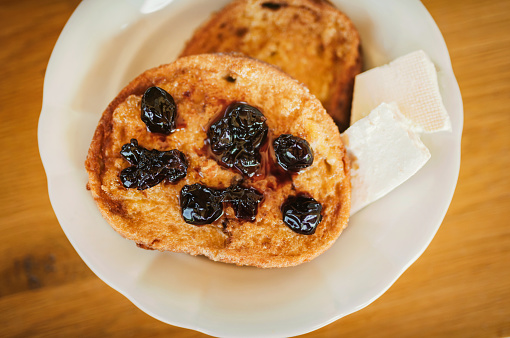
x: 202, y: 87
x: 309, y: 39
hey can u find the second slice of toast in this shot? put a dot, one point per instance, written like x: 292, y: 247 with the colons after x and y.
x: 310, y: 40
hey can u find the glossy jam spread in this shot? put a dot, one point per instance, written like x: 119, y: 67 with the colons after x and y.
x: 203, y: 205
x: 238, y: 136
x: 302, y: 214
x: 292, y: 153
x: 150, y: 167
x: 237, y: 140
x: 200, y: 205
x: 158, y: 111
x: 244, y: 201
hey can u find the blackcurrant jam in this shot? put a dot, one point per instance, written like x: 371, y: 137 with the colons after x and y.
x: 151, y: 167
x: 244, y: 201
x: 302, y: 214
x: 200, y: 205
x: 292, y: 153
x: 238, y: 136
x: 158, y: 111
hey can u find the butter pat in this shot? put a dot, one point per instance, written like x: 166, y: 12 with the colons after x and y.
x: 384, y: 153
x: 411, y: 82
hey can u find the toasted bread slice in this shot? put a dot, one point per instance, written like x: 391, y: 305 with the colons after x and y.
x: 202, y: 86
x: 309, y: 39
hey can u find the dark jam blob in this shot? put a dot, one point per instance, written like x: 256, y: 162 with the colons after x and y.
x: 248, y: 161
x: 238, y: 136
x: 247, y: 123
x: 220, y: 136
x: 200, y: 205
x: 158, y: 111
x: 292, y: 153
x: 130, y: 177
x: 302, y: 214
x: 151, y: 167
x: 244, y: 201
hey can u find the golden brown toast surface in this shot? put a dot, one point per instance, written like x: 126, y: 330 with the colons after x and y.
x: 202, y: 86
x: 309, y: 39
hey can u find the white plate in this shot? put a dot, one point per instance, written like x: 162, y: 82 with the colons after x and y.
x: 107, y: 43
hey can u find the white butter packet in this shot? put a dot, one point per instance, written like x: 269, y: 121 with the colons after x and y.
x: 384, y: 153
x: 411, y: 82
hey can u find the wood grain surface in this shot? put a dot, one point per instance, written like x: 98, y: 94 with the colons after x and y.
x: 460, y: 287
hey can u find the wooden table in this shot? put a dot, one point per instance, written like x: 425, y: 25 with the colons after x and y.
x: 459, y: 287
